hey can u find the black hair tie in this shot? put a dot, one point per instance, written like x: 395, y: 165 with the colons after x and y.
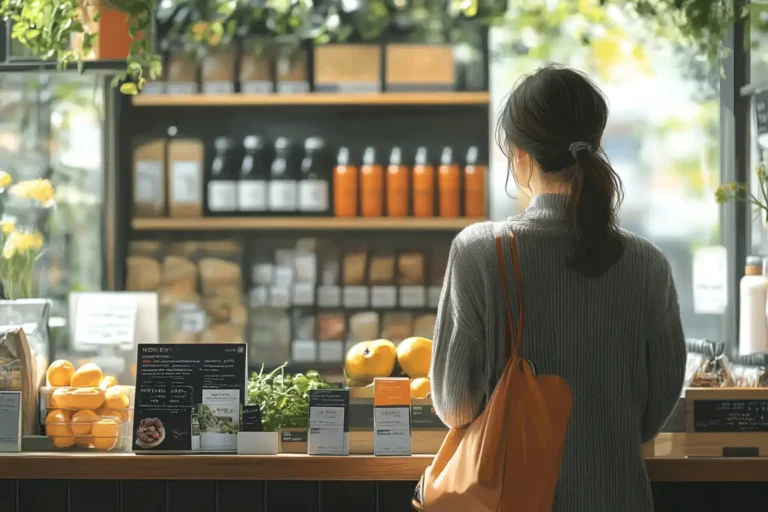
x: 575, y: 147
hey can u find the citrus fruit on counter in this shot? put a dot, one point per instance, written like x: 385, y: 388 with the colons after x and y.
x: 82, y: 422
x: 370, y: 359
x: 60, y: 373
x: 57, y: 428
x: 88, y: 375
x: 116, y: 398
x: 415, y: 356
x: 105, y: 432
x: 420, y: 388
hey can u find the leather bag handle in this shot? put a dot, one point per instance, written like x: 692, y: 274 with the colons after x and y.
x: 511, y: 349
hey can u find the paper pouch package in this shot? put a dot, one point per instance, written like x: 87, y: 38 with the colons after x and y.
x: 329, y: 422
x: 392, y: 417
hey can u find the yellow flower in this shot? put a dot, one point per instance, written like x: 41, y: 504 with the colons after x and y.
x: 20, y: 242
x: 38, y: 190
x: 6, y: 226
x: 5, y: 179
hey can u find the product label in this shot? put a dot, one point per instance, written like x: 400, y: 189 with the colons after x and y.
x: 413, y: 296
x: 222, y: 196
x: 304, y: 294
x: 383, y: 296
x: 252, y: 196
x: 283, y: 195
x: 256, y: 87
x: 280, y: 296
x: 149, y: 182
x: 313, y: 196
x: 218, y: 87
x: 391, y: 417
x: 10, y: 421
x: 355, y: 297
x: 328, y: 422
x: 219, y: 417
x: 328, y: 296
x: 185, y: 182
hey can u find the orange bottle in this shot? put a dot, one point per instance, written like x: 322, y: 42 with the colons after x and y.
x: 344, y: 186
x: 398, y: 185
x: 371, y: 185
x: 474, y: 185
x: 423, y: 185
x: 449, y: 185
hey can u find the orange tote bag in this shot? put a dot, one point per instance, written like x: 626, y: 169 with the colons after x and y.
x: 508, y: 459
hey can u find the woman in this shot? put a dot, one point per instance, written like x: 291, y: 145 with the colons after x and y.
x: 601, y: 309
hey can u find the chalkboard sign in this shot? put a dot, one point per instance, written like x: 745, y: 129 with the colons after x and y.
x: 730, y: 416
x: 250, y: 420
x: 188, y: 397
x: 761, y: 112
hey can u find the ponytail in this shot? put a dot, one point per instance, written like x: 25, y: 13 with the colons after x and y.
x: 596, y: 193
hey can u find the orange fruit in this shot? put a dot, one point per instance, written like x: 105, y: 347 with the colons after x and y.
x: 370, y: 359
x: 57, y: 428
x: 82, y: 422
x: 60, y: 373
x: 420, y: 388
x: 107, y: 382
x: 105, y: 432
x: 116, y: 398
x: 113, y: 414
x: 415, y: 356
x: 84, y: 441
x: 88, y: 375
x: 84, y: 398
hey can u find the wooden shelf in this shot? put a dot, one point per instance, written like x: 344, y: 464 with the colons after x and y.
x: 129, y: 466
x: 302, y: 223
x: 389, y: 98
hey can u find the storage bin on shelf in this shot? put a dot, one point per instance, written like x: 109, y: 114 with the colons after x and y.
x: 88, y: 418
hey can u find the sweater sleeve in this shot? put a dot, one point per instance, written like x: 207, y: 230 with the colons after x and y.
x: 665, y: 353
x: 458, y: 348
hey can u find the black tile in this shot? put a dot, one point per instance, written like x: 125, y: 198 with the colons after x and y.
x: 143, y: 495
x: 191, y: 496
x: 294, y: 496
x: 348, y: 497
x: 38, y: 495
x: 94, y: 495
x: 395, y: 496
x: 232, y: 494
x: 8, y: 495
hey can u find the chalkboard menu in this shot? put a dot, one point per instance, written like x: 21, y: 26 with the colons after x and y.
x: 189, y: 397
x: 761, y: 112
x: 730, y: 415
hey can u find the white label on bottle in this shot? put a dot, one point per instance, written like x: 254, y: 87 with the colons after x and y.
x: 185, y: 182
x: 710, y: 280
x: 149, y: 182
x: 383, y: 296
x: 222, y: 196
x: 413, y: 296
x: 328, y: 296
x: 252, y: 196
x: 313, y: 196
x: 355, y: 297
x: 282, y: 195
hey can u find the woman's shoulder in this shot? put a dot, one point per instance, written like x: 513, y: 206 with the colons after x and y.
x: 477, y: 237
x: 638, y: 249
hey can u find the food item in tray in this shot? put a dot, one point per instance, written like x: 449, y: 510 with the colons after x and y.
x: 116, y: 398
x: 60, y: 373
x: 220, y: 278
x: 415, y: 356
x: 57, y: 427
x: 88, y: 375
x: 104, y: 434
x: 382, y: 270
x: 354, y: 268
x: 77, y: 398
x: 421, y: 388
x: 119, y: 415
x: 179, y: 277
x: 142, y: 273
x: 714, y: 372
x: 750, y: 371
x: 82, y: 422
x: 107, y: 382
x: 151, y: 433
x: 370, y: 359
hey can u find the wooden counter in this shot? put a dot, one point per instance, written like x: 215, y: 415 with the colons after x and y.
x: 128, y: 466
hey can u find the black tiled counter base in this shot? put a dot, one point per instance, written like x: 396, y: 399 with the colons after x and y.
x: 295, y: 496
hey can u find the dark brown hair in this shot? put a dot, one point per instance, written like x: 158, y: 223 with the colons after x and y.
x: 557, y: 115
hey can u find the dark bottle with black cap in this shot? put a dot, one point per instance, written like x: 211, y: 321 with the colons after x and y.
x: 254, y: 176
x: 283, y: 186
x: 222, y: 182
x: 314, y: 183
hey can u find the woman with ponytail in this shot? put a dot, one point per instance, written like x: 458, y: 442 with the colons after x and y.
x: 601, y: 309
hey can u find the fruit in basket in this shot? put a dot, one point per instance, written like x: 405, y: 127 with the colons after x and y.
x: 107, y: 382
x: 120, y: 416
x: 421, y: 388
x: 84, y: 441
x: 57, y: 428
x: 88, y: 375
x: 60, y: 373
x: 370, y: 359
x: 105, y: 432
x: 116, y: 398
x: 82, y: 422
x: 415, y: 356
x: 77, y: 398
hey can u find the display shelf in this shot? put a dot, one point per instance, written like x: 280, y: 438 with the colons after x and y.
x: 387, y: 98
x: 301, y: 223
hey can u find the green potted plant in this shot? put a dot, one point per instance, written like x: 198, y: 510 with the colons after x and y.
x: 284, y: 402
x: 741, y: 192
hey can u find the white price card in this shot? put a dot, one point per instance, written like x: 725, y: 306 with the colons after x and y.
x: 105, y: 319
x: 10, y: 421
x: 328, y: 296
x: 710, y: 280
x: 413, y: 296
x: 355, y: 296
x: 383, y: 296
x: 328, y: 422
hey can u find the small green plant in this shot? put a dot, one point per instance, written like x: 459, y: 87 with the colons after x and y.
x: 741, y: 192
x: 282, y: 397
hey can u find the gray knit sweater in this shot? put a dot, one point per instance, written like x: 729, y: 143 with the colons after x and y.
x: 617, y: 340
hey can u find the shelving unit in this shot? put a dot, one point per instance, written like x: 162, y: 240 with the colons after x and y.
x: 372, y: 99
x: 302, y: 223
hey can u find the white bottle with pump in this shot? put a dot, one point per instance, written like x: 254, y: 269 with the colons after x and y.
x: 753, y: 331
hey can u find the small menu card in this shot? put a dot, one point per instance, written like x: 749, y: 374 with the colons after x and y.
x: 329, y: 422
x: 250, y: 420
x: 10, y: 421
x: 392, y: 417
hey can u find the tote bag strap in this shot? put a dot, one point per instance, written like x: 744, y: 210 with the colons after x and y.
x: 511, y: 348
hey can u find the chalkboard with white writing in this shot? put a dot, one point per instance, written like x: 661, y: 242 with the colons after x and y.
x: 730, y: 415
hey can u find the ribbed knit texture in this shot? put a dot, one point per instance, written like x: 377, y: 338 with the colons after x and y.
x: 617, y: 340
